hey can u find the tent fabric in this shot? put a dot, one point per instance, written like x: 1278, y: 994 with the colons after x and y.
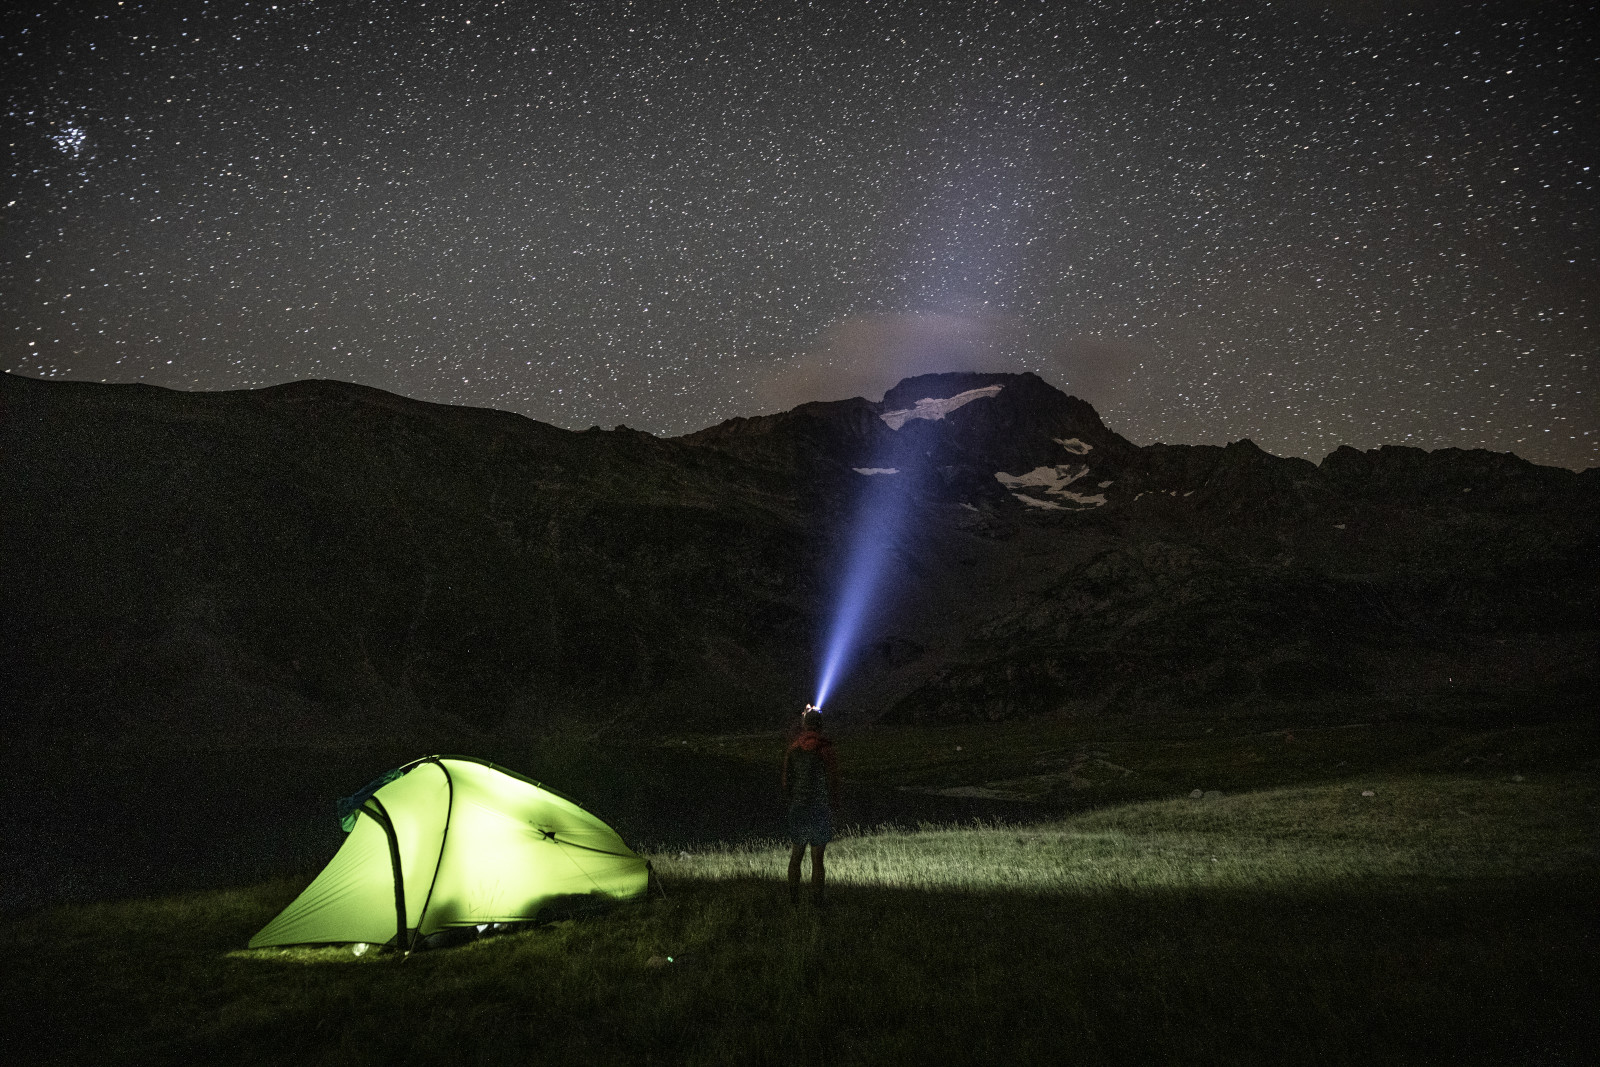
x: 456, y: 841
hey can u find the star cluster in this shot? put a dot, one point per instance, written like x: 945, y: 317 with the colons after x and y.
x: 1356, y: 222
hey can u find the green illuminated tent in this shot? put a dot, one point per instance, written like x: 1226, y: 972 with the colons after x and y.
x: 454, y: 842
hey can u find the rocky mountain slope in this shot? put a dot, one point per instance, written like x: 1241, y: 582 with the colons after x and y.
x: 328, y: 558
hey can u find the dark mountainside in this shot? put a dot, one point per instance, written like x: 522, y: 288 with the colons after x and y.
x: 322, y: 560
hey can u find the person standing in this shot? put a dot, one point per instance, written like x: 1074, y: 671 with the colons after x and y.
x: 811, y: 785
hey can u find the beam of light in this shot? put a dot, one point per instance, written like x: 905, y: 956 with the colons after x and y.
x: 879, y: 522
x: 887, y: 495
x: 965, y: 245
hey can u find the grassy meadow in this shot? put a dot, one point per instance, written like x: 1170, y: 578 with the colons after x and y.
x: 1287, y: 917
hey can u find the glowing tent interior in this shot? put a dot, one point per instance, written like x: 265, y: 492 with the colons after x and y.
x: 453, y: 842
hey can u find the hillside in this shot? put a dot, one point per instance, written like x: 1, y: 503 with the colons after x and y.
x: 329, y: 560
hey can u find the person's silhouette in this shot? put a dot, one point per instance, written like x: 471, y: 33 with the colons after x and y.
x: 811, y: 784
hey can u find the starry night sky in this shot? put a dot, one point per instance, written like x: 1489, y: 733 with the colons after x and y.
x: 1304, y: 223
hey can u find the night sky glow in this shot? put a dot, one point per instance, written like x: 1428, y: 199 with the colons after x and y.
x: 1307, y: 223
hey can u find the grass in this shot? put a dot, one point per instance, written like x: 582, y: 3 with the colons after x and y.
x: 1445, y: 917
x: 1436, y: 829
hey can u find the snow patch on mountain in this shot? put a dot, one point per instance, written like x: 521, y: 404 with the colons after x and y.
x: 1053, y: 480
x: 932, y: 408
x: 1050, y: 479
x: 876, y: 470
x: 1073, y: 445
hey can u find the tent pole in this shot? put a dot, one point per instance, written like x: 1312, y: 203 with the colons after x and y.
x: 401, y: 941
x: 449, y: 810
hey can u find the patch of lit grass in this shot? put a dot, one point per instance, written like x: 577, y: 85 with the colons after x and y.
x: 1416, y: 827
